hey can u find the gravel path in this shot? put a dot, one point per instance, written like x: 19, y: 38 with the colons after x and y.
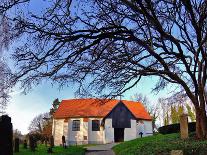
x: 105, y: 149
x: 109, y: 152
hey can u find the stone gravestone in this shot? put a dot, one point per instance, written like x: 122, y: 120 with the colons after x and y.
x: 51, y: 141
x: 16, y: 145
x: 25, y: 144
x: 32, y: 143
x: 176, y: 152
x: 184, y: 126
x: 6, y: 135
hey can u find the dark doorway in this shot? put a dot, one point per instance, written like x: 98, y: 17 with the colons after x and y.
x: 118, y: 134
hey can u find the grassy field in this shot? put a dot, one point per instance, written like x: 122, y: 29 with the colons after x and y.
x: 42, y: 150
x: 161, y: 145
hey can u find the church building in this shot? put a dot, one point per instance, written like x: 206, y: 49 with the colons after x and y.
x: 100, y: 121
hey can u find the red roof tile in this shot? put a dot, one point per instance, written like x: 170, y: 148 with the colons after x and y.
x: 97, y: 108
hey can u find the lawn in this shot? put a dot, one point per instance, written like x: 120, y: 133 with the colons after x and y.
x: 42, y: 150
x: 161, y: 145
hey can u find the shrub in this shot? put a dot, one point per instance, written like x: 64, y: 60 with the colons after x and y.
x: 175, y: 128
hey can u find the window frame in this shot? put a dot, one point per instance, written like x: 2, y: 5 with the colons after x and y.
x: 95, y: 125
x: 76, y: 125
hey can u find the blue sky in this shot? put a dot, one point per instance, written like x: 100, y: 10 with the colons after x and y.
x: 23, y: 108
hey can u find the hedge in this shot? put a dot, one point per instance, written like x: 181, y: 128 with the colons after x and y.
x: 175, y: 128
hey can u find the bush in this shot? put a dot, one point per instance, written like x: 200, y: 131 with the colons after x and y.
x: 175, y: 128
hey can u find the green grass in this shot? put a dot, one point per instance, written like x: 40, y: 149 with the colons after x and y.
x: 161, y: 145
x: 42, y: 150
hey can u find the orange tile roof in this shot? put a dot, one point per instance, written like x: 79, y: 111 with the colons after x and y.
x: 97, y: 108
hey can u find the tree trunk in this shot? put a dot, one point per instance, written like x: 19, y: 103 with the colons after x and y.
x: 201, y: 123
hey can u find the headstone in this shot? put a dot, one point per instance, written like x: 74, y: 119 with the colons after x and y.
x: 6, y: 135
x: 46, y: 140
x: 25, y: 144
x: 32, y: 143
x: 184, y: 126
x: 51, y: 142
x: 141, y: 134
x: 176, y: 152
x: 16, y: 145
x: 63, y: 141
x: 49, y: 150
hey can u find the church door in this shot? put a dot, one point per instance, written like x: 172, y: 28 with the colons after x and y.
x: 118, y: 134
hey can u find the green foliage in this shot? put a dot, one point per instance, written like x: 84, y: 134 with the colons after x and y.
x: 180, y: 111
x: 55, y: 106
x: 176, y: 111
x: 191, y: 114
x: 166, y: 120
x: 161, y: 145
x: 42, y: 150
x: 174, y: 115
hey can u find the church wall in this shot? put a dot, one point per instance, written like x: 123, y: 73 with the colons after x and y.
x: 65, y: 130
x: 96, y: 137
x: 105, y: 135
x: 145, y: 127
x: 109, y: 131
x: 76, y: 137
x: 131, y: 133
x: 58, y: 131
x: 148, y: 128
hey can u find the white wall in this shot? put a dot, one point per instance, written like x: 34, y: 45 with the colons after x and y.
x: 148, y: 128
x: 75, y: 135
x: 105, y: 135
x: 58, y: 131
x: 85, y: 130
x: 145, y: 127
x: 131, y: 133
x: 95, y: 136
x: 109, y: 131
x: 65, y: 131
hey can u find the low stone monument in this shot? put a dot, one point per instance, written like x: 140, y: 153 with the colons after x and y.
x: 176, y: 152
x: 184, y: 126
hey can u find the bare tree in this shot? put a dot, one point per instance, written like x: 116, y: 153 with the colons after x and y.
x: 38, y: 123
x: 152, y: 109
x: 112, y: 44
x: 6, y: 36
x: 6, y: 5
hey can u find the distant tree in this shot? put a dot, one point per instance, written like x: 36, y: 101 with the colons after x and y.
x: 174, y: 115
x: 17, y: 134
x: 151, y: 108
x: 55, y: 106
x: 47, y: 129
x: 191, y: 113
x: 166, y: 119
x: 141, y: 98
x: 38, y: 123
